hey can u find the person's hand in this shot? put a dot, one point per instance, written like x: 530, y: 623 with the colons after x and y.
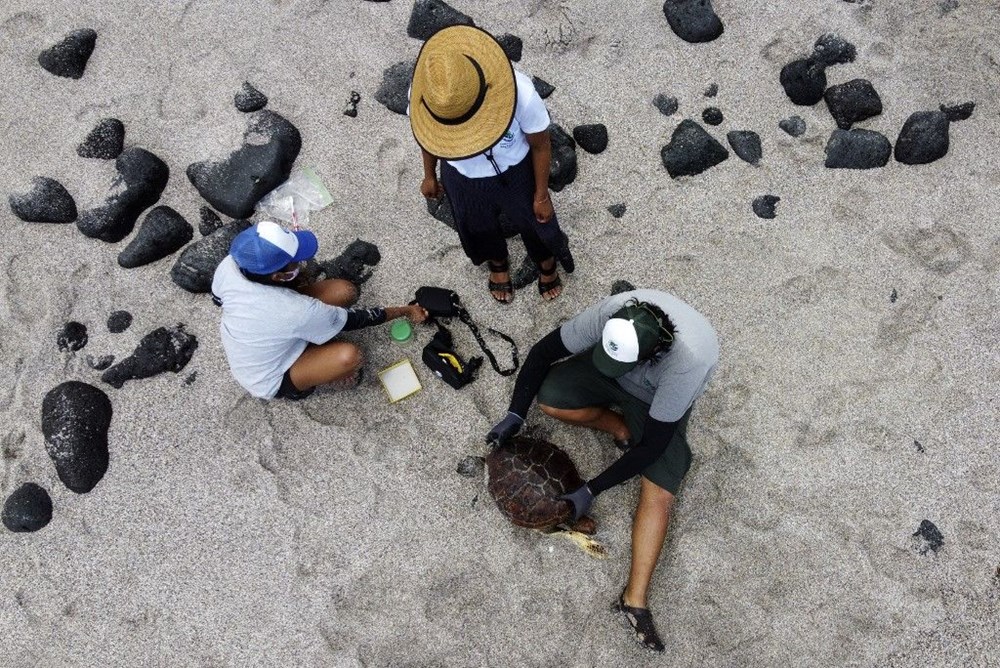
x: 581, y: 498
x: 417, y: 314
x: 543, y: 209
x: 431, y: 188
x: 505, y: 429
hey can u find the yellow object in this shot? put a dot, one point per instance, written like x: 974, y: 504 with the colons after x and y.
x: 399, y: 380
x: 452, y: 360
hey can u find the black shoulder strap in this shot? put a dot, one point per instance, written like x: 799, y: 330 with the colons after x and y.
x: 464, y: 316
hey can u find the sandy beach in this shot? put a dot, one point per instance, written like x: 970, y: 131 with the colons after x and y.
x: 856, y: 395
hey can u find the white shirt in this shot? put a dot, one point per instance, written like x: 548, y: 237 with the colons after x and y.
x: 265, y: 328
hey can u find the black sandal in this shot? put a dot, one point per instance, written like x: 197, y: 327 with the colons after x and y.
x: 506, y: 287
x: 545, y: 286
x: 641, y: 622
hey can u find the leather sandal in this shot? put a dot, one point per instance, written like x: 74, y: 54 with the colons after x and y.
x: 545, y: 286
x: 640, y: 620
x: 506, y: 287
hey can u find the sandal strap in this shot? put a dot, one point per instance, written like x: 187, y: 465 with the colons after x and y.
x: 498, y: 267
x: 641, y: 621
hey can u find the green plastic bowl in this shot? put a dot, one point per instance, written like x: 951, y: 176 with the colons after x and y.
x: 401, y: 330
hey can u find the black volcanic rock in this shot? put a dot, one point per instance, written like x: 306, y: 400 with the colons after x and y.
x: 831, y: 49
x: 69, y: 57
x: 712, y: 90
x: 249, y: 99
x: 119, y: 321
x: 100, y: 363
x: 392, y: 92
x: 75, y: 421
x: 857, y: 149
x: 693, y: 20
x: 763, y: 206
x: 162, y: 233
x: 352, y: 104
x: 512, y: 46
x: 793, y: 125
x: 72, y: 336
x: 929, y: 537
x: 666, y: 104
x: 592, y: 138
x: 617, y: 210
x: 196, y: 265
x: 105, y: 141
x: 923, y: 139
x: 804, y: 81
x: 562, y: 170
x: 691, y: 150
x: 620, y: 286
x: 440, y: 208
x: 144, y: 177
x: 235, y: 184
x: 353, y: 263
x: 712, y: 116
x: 28, y: 508
x: 852, y: 102
x: 209, y: 221
x: 163, y: 349
x: 542, y: 87
x: 429, y: 16
x: 958, y: 112
x: 46, y: 202
x: 746, y: 144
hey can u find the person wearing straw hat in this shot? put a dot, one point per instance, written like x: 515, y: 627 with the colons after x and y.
x: 650, y: 355
x: 277, y: 331
x: 488, y: 126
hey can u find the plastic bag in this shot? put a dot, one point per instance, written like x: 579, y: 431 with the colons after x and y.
x: 295, y: 198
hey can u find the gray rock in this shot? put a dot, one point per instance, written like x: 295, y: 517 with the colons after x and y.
x: 429, y: 16
x: 621, y: 286
x: 119, y: 321
x: 691, y: 150
x: 617, y: 210
x: 69, y: 57
x: 163, y: 349
x: 693, y: 20
x: 746, y: 144
x: 592, y: 138
x: 235, y: 184
x: 804, y: 81
x: 162, y: 233
x: 562, y: 170
x: 512, y: 46
x: 394, y: 89
x: 249, y: 99
x: 28, y: 508
x: 542, y: 87
x: 471, y: 467
x: 666, y: 104
x: 75, y: 421
x: 209, y: 221
x: 105, y: 141
x: 923, y: 139
x: 852, y: 102
x: 46, y: 202
x: 144, y: 176
x: 764, y: 206
x: 525, y: 274
x: 857, y: 149
x: 958, y: 112
x: 72, y: 336
x: 793, y: 125
x: 196, y: 265
x: 712, y: 116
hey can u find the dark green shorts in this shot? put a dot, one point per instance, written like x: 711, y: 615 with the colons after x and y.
x: 576, y: 383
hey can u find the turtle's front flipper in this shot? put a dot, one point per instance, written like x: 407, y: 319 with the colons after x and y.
x: 586, y: 543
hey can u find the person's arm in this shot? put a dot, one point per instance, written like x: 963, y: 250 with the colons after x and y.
x: 359, y: 318
x: 430, y: 187
x: 540, y: 144
x: 656, y: 435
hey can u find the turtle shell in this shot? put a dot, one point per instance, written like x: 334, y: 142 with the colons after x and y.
x: 526, y: 477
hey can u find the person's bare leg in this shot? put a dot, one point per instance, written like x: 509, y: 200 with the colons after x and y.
x: 649, y: 530
x: 327, y: 363
x: 595, y: 417
x: 332, y: 291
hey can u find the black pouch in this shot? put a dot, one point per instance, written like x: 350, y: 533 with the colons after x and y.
x: 441, y: 358
x: 439, y: 302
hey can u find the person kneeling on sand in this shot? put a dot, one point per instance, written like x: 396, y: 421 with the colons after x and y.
x: 650, y: 355
x: 276, y: 330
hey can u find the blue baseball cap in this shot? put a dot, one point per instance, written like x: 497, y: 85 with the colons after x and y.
x: 268, y: 247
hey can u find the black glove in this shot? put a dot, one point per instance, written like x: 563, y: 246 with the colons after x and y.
x: 581, y: 499
x: 504, y: 430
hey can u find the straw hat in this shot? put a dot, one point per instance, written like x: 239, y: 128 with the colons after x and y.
x: 463, y: 93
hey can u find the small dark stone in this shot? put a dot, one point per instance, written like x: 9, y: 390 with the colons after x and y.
x: 947, y: 6
x: 712, y: 116
x: 857, y: 149
x: 162, y: 233
x: 852, y: 102
x: 793, y: 125
x: 918, y: 446
x: 191, y: 377
x: 75, y: 421
x: 693, y: 20
x: 28, y: 508
x: 524, y: 275
x: 352, y: 104
x: 958, y: 112
x: 196, y: 265
x: 764, y: 205
x: 69, y: 57
x: 429, y: 16
x: 592, y: 138
x: 163, y: 349
x: 617, y: 210
x: 691, y: 150
x: 893, y: 296
x: 105, y: 141
x: 746, y: 144
x: 512, y: 46
x: 923, y: 139
x: 804, y: 81
x: 72, y: 336
x: 353, y: 264
x: 209, y: 221
x: 831, y: 49
x: 666, y: 104
x: 562, y: 170
x: 119, y: 321
x: 100, y: 363
x: 471, y: 467
x: 46, y: 202
x: 145, y: 176
x: 929, y: 536
x: 394, y: 90
x: 542, y: 87
x: 248, y: 98
x: 621, y: 286
x: 440, y: 208
x: 712, y: 90
x: 235, y: 184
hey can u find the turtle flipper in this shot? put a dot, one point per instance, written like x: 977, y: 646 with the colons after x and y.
x: 586, y: 543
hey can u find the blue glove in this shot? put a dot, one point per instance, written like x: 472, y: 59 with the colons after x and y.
x: 504, y: 430
x: 581, y: 499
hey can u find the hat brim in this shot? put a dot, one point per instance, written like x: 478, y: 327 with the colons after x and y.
x: 457, y: 141
x: 609, y: 367
x: 308, y: 245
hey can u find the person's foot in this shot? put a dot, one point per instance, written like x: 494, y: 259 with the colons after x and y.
x: 500, y: 285
x: 640, y: 621
x: 548, y: 287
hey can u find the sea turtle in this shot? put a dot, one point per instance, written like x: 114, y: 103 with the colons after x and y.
x: 526, y: 477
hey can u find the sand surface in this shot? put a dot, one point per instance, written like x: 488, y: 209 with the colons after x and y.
x: 336, y: 532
